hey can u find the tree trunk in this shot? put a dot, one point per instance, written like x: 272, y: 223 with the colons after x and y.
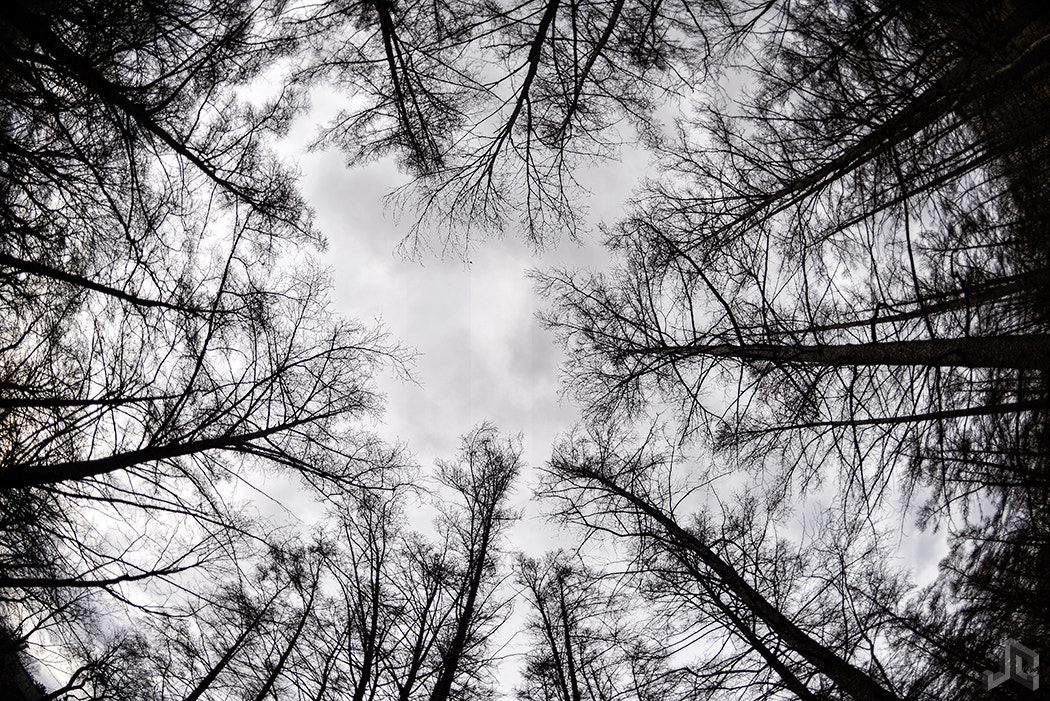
x: 450, y: 660
x: 1029, y: 352
x: 31, y: 475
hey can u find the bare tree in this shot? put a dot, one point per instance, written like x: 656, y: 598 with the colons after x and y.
x: 481, y: 477
x: 766, y: 620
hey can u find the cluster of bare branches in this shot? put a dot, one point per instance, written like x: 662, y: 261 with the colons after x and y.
x: 370, y: 609
x: 490, y: 107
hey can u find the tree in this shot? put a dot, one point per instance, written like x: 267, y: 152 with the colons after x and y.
x: 586, y: 641
x: 368, y: 545
x: 481, y: 477
x: 842, y: 278
x: 776, y: 622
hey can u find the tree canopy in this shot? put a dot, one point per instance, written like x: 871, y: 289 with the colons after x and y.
x: 828, y: 303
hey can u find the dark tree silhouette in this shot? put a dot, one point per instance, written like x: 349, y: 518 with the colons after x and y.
x: 481, y: 478
x: 784, y: 622
x: 840, y: 278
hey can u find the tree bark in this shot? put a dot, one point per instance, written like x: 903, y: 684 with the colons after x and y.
x: 31, y: 475
x: 1028, y: 352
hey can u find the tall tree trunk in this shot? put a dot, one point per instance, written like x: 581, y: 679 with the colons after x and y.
x: 570, y: 660
x: 420, y: 648
x: 30, y: 475
x: 450, y: 659
x: 1028, y: 352
x: 219, y: 666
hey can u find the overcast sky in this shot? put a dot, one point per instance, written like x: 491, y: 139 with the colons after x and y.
x: 482, y: 352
